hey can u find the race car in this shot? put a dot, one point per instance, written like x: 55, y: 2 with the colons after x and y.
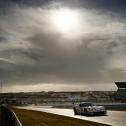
x: 87, y: 108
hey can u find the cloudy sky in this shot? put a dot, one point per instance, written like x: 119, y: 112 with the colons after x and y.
x: 62, y: 45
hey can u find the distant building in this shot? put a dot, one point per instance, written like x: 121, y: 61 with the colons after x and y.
x: 121, y: 92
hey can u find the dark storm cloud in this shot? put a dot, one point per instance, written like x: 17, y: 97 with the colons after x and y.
x: 87, y: 64
x: 2, y: 39
x: 98, y: 4
x: 32, y: 51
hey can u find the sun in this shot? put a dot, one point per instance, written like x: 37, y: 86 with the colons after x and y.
x: 64, y: 20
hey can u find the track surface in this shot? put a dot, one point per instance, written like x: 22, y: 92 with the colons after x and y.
x: 114, y: 118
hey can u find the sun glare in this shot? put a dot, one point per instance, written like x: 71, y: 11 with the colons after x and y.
x: 64, y: 20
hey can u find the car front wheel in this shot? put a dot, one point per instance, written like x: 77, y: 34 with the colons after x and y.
x: 85, y: 112
x: 75, y: 112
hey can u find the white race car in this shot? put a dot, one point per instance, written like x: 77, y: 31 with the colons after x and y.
x: 87, y: 108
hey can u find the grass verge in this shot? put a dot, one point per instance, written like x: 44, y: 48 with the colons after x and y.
x: 36, y: 118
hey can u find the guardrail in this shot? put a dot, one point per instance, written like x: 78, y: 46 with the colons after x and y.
x: 17, y: 122
x: 112, y: 103
x: 9, y: 118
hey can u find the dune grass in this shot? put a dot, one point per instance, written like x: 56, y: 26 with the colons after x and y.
x: 35, y: 118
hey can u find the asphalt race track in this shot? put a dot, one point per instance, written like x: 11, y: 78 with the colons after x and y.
x: 114, y: 118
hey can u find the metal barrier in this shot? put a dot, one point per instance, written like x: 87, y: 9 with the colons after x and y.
x: 17, y: 122
x: 9, y: 118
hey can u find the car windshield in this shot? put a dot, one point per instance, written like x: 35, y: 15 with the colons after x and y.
x: 86, y: 104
